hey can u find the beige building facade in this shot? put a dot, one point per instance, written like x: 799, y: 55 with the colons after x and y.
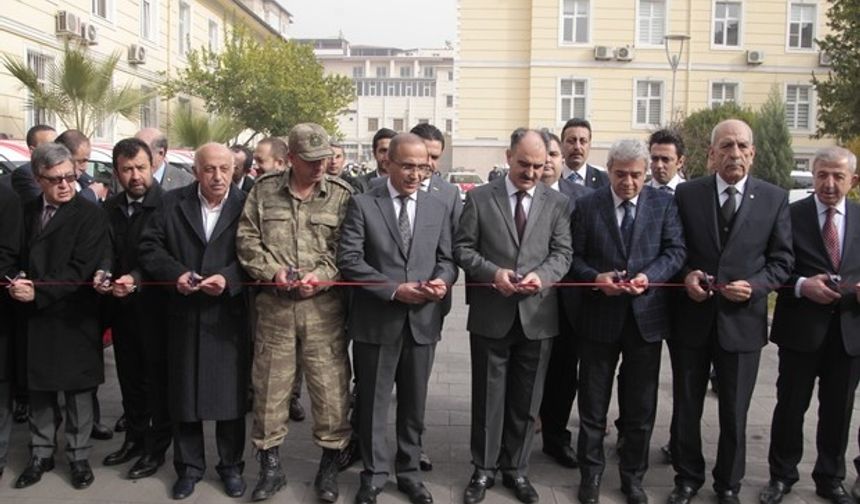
x: 153, y: 38
x: 540, y: 62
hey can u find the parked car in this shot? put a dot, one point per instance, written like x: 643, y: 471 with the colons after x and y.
x: 465, y: 181
x: 13, y: 153
x: 181, y: 158
x: 801, y: 185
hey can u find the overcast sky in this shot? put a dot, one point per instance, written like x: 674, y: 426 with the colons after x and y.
x: 396, y: 23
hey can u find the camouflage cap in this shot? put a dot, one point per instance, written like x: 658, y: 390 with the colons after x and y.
x: 310, y: 142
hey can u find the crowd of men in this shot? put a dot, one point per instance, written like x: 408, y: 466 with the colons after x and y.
x: 219, y: 287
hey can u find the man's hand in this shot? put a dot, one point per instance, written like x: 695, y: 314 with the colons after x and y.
x: 22, y: 289
x: 530, y: 284
x: 307, y: 285
x: 213, y: 285
x: 434, y: 290
x: 693, y: 285
x: 123, y: 286
x: 99, y: 284
x: 283, y: 280
x: 184, y: 285
x: 502, y: 282
x: 409, y: 293
x: 608, y: 284
x: 816, y: 290
x: 637, y: 285
x: 738, y: 291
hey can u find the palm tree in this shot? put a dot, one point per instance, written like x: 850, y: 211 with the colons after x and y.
x: 79, y: 90
x: 193, y: 130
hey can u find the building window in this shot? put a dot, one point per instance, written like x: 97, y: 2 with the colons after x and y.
x: 801, y: 26
x: 649, y: 103
x: 451, y: 75
x: 214, y: 39
x: 372, y: 124
x: 574, y: 21
x: 801, y: 164
x: 449, y: 126
x: 405, y: 72
x: 723, y: 92
x: 571, y: 99
x: 449, y: 101
x: 39, y: 64
x: 102, y: 8
x: 149, y: 109
x: 358, y: 72
x: 397, y: 125
x: 652, y: 21
x: 798, y: 105
x: 429, y: 72
x: 147, y: 19
x: 184, y: 31
x: 727, y: 24
x: 423, y: 121
x: 382, y: 71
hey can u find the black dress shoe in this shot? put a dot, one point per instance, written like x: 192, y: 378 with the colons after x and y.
x: 145, y: 466
x: 367, y: 494
x: 416, y: 491
x: 297, y: 412
x: 34, y: 471
x: 589, y: 490
x: 523, y: 489
x: 635, y: 494
x: 349, y: 455
x: 184, y: 487
x: 234, y: 485
x: 82, y: 474
x: 563, y: 454
x: 477, y: 488
x: 121, y: 424
x: 101, y: 432
x: 774, y: 492
x: 835, y: 493
x: 424, y: 462
x: 681, y: 494
x: 728, y: 497
x: 126, y: 452
x: 20, y: 412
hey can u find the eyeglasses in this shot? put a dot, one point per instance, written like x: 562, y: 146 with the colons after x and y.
x: 68, y: 178
x: 411, y: 168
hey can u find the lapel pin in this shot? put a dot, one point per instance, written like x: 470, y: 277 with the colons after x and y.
x: 752, y: 196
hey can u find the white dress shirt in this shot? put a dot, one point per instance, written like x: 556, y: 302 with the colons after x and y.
x: 210, y: 213
x: 619, y: 209
x: 838, y: 221
x: 158, y: 174
x: 567, y: 172
x: 672, y: 184
x: 723, y: 195
x: 512, y: 198
x: 411, y: 202
x: 129, y: 200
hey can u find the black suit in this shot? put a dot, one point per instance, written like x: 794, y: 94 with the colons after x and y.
x: 560, y: 387
x: 816, y: 341
x: 139, y: 327
x: 594, y: 178
x: 10, y: 234
x: 363, y: 183
x: 754, y: 246
x: 24, y: 183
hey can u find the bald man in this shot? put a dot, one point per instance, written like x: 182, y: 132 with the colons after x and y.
x: 166, y: 175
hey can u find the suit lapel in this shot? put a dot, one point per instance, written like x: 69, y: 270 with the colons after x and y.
x: 422, y: 217
x: 851, y: 228
x: 709, y: 199
x: 741, y: 216
x: 500, y: 196
x: 190, y: 207
x: 386, y: 208
x: 230, y: 212
x: 535, y: 209
x: 63, y: 214
x: 642, y: 207
x: 607, y: 211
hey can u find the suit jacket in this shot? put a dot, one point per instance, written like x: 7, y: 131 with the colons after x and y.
x: 571, y: 297
x: 440, y: 189
x: 595, y: 178
x: 486, y: 240
x: 370, y: 251
x: 24, y: 183
x: 656, y: 250
x: 10, y: 244
x: 798, y: 323
x: 208, y: 340
x: 174, y: 177
x: 62, y: 326
x: 757, y: 249
x: 247, y: 184
x: 362, y: 183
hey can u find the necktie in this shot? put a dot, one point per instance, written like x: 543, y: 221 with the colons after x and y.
x: 575, y: 178
x: 520, y: 215
x: 134, y: 207
x: 667, y: 189
x: 403, y: 224
x: 730, y: 205
x: 831, y: 239
x: 47, y: 215
x: 626, y: 226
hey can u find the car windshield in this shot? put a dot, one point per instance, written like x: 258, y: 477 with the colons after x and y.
x: 465, y: 178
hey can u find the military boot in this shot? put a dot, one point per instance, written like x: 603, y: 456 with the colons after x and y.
x: 325, y: 482
x: 272, y: 477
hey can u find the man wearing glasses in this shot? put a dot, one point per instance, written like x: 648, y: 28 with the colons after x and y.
x: 63, y: 240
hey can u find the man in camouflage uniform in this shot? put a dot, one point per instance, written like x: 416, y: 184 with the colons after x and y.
x: 288, y: 237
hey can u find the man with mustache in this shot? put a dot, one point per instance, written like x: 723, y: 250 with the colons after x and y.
x: 514, y: 234
x: 576, y: 145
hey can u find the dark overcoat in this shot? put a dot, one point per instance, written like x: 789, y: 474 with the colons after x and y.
x: 10, y: 244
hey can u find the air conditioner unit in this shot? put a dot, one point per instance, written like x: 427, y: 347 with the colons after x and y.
x: 625, y: 53
x: 67, y: 24
x: 755, y: 57
x: 603, y: 53
x: 824, y: 59
x: 136, y: 54
x: 89, y: 34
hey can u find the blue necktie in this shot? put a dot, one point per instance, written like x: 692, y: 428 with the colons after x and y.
x: 575, y: 178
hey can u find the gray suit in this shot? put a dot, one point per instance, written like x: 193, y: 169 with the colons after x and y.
x: 174, y: 177
x: 510, y: 335
x: 394, y: 341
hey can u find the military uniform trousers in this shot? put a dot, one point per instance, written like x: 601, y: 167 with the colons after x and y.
x: 316, y: 325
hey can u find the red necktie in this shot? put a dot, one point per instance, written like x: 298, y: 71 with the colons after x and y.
x: 831, y: 239
x: 520, y: 215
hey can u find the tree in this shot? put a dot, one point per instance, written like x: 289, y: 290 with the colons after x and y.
x: 774, y: 158
x: 268, y: 86
x: 193, y: 130
x: 838, y: 99
x: 696, y: 128
x: 79, y: 90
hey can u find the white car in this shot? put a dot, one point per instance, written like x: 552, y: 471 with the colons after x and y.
x: 801, y: 185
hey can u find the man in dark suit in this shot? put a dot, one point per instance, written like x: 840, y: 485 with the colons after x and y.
x: 576, y: 145
x: 63, y: 242
x: 738, y: 235
x: 192, y: 242
x: 10, y: 244
x: 243, y: 160
x: 135, y: 313
x: 515, y: 235
x: 23, y: 181
x: 395, y: 326
x: 166, y: 175
x: 560, y: 387
x: 381, y: 140
x: 625, y: 237
x: 816, y: 324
